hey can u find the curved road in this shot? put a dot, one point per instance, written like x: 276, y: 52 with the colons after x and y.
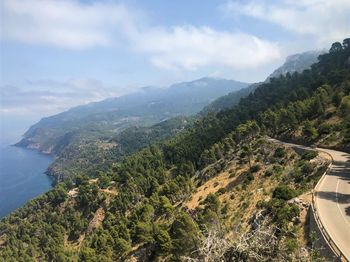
x: 332, y: 197
x: 333, y: 200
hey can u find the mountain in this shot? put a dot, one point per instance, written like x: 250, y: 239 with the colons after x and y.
x: 296, y: 63
x: 109, y: 117
x: 229, y: 100
x: 96, y: 128
x: 293, y: 63
x: 219, y: 190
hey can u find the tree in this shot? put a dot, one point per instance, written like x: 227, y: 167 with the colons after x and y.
x: 309, y: 131
x: 212, y: 202
x: 144, y: 232
x: 163, y: 241
x: 104, y: 180
x: 247, y: 149
x: 336, y: 47
x: 284, y: 192
x: 165, y: 206
x: 344, y: 107
x: 185, y: 234
x: 57, y: 195
x: 346, y: 43
x: 122, y: 247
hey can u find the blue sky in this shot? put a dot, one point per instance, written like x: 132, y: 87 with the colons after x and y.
x: 58, y: 54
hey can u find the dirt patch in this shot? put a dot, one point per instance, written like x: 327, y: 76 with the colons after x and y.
x: 92, y: 181
x: 211, y: 186
x: 113, y: 192
x: 106, y: 145
x: 73, y: 192
x: 97, y: 220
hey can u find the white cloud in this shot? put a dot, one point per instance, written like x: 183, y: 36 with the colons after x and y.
x: 77, y: 25
x: 69, y: 24
x: 326, y: 20
x: 52, y: 97
x: 189, y: 47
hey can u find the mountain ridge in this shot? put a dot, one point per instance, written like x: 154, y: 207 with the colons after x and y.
x: 156, y: 104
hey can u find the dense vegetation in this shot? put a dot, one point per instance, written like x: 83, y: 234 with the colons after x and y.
x: 80, y: 137
x: 82, y: 156
x: 229, y: 100
x: 151, y: 206
x: 143, y: 108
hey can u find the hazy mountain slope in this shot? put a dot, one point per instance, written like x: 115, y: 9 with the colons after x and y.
x: 293, y: 63
x: 229, y: 100
x: 297, y: 63
x: 110, y: 116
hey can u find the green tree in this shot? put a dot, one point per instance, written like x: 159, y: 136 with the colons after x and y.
x: 344, y: 107
x: 284, y: 192
x: 165, y: 206
x: 163, y: 241
x: 122, y: 247
x: 309, y: 131
x: 185, y: 234
x: 212, y: 202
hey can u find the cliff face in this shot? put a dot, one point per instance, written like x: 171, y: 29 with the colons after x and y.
x: 296, y: 63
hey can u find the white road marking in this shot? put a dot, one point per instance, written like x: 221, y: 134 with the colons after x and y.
x: 336, y: 197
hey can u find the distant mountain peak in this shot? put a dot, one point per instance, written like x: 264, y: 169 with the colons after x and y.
x: 297, y: 63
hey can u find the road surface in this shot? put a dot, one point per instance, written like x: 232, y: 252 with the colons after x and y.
x: 332, y: 197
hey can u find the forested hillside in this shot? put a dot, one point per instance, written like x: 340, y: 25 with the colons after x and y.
x: 219, y: 190
x: 85, y: 139
x: 81, y: 156
x: 111, y: 116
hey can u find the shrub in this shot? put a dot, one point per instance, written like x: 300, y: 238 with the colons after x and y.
x: 279, y: 152
x: 284, y: 192
x: 268, y: 173
x: 306, y: 168
x: 310, y: 131
x: 325, y: 128
x: 308, y: 155
x: 255, y: 168
x: 221, y: 191
x: 249, y: 176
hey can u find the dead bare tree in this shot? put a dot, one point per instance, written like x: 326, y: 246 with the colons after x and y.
x: 259, y: 244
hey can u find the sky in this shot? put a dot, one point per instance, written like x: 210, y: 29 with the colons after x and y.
x: 55, y: 54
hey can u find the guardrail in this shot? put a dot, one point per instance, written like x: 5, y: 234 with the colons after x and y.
x: 339, y: 255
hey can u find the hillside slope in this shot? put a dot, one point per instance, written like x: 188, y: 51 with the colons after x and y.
x: 216, y: 191
x: 109, y: 117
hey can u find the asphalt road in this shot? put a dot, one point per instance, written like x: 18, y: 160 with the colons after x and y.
x: 333, y: 200
x: 332, y: 197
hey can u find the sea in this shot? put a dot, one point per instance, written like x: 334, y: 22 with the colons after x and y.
x: 22, y: 170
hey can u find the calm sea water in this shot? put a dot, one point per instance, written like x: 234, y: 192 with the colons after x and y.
x: 21, y: 177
